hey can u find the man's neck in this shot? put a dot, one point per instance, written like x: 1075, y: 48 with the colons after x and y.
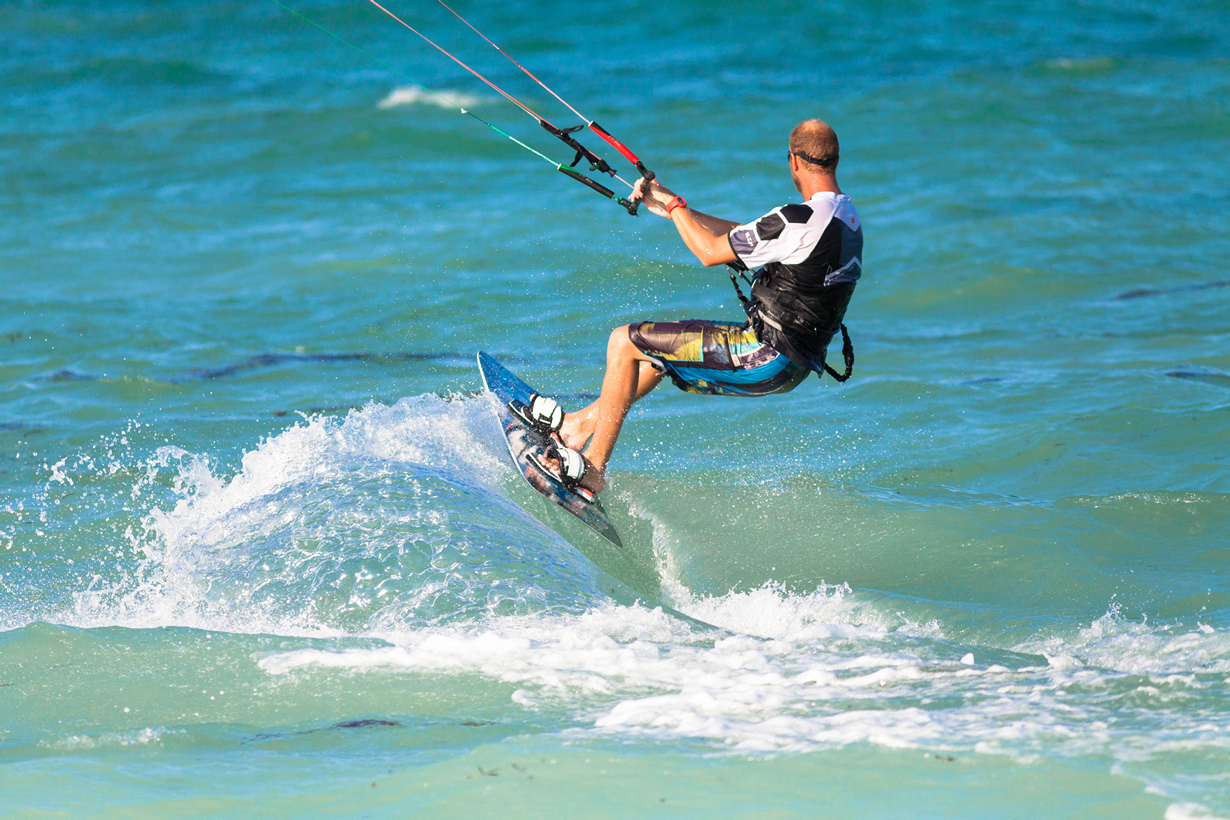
x: 820, y: 183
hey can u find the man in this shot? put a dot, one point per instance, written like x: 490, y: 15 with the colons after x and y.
x: 809, y: 256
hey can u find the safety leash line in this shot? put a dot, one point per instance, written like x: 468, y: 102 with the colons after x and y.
x: 567, y: 171
x: 427, y: 39
x: 596, y: 162
x: 514, y: 62
x: 647, y: 174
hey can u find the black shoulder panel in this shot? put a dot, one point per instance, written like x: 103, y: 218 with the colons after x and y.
x: 797, y: 214
x: 770, y: 227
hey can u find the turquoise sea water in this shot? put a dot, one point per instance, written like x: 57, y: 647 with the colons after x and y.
x: 261, y: 551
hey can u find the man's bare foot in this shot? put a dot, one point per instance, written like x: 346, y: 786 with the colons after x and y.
x: 574, y: 432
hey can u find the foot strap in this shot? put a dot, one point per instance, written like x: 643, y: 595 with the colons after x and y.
x: 571, y: 471
x: 542, y: 413
x: 572, y: 463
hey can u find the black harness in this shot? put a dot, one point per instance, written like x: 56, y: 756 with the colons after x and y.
x: 794, y: 324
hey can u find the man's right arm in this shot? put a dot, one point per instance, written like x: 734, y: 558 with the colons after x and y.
x: 713, y: 224
x: 706, y: 236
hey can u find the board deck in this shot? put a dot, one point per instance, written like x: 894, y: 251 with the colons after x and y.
x: 523, y: 441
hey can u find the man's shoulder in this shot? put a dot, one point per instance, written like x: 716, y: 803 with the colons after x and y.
x: 797, y: 213
x: 824, y: 203
x: 772, y: 224
x: 814, y: 214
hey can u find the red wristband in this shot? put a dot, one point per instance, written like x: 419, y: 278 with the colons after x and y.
x: 677, y: 202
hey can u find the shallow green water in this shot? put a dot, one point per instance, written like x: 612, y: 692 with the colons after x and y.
x: 260, y: 548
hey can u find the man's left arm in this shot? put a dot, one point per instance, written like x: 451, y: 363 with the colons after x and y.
x: 706, y: 236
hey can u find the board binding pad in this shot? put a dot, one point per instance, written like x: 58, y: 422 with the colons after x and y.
x: 524, y: 441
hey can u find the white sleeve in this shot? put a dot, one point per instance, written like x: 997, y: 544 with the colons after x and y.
x: 777, y: 237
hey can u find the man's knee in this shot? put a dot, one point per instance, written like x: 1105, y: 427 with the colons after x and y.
x: 618, y: 344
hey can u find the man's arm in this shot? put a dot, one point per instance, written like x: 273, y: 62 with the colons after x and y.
x: 705, y: 235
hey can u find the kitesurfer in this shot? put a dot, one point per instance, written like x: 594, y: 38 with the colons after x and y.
x: 809, y: 256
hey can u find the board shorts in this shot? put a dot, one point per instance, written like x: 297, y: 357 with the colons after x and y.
x: 716, y: 358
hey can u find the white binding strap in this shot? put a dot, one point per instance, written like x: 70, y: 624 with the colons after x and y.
x: 572, y: 462
x: 547, y: 412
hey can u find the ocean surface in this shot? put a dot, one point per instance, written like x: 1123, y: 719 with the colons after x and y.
x: 261, y: 548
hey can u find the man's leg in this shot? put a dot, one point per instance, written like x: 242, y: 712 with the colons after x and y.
x: 702, y: 359
x: 578, y: 427
x: 630, y: 375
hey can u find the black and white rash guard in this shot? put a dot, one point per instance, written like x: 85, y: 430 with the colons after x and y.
x: 823, y: 237
x: 810, y: 257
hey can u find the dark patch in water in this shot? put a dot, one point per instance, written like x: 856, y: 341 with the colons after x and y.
x: 312, y: 411
x: 362, y: 723
x: 266, y: 360
x: 14, y: 426
x: 66, y: 376
x: 1218, y: 379
x: 345, y: 724
x: 1142, y: 293
x: 142, y: 72
x: 273, y: 359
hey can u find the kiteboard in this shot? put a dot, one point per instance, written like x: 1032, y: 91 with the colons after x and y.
x: 524, y: 441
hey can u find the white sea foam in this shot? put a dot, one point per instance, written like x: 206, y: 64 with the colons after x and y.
x: 133, y: 737
x: 1136, y: 647
x: 652, y: 675
x: 321, y: 480
x: 1190, y: 811
x: 819, y: 682
x: 417, y: 95
x: 770, y: 612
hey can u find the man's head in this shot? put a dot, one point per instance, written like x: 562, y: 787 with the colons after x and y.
x: 814, y: 145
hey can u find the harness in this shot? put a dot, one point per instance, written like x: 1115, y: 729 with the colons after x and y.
x: 757, y: 315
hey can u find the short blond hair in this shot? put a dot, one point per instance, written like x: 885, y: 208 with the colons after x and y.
x: 815, y: 142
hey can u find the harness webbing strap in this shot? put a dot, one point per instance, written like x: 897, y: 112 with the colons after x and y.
x: 847, y: 353
x: 738, y: 290
x: 847, y: 346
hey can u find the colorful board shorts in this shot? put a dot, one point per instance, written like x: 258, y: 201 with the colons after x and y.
x: 716, y: 358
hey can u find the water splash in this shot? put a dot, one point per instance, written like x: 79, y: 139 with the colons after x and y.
x: 386, y: 518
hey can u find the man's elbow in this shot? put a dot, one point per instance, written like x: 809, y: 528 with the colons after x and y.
x: 712, y: 258
x: 711, y: 251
